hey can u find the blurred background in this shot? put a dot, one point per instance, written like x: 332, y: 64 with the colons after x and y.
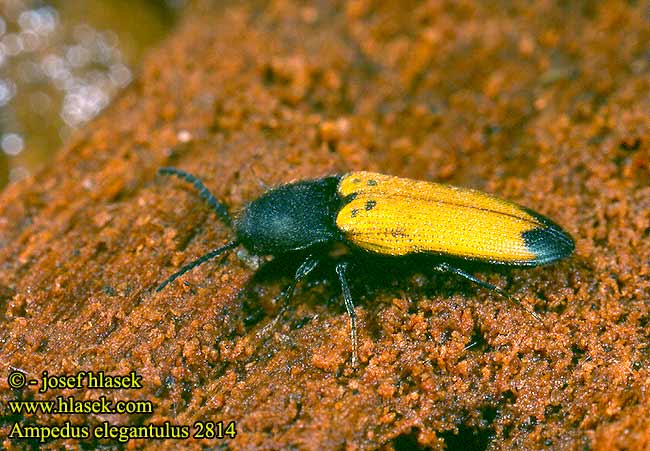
x: 61, y: 63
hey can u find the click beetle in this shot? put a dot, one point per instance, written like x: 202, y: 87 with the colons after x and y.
x: 386, y: 216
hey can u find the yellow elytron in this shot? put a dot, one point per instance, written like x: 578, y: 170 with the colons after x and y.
x: 396, y: 216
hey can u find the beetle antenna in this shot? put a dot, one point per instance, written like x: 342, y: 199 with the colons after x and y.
x: 202, y: 259
x: 219, y: 208
x: 445, y: 267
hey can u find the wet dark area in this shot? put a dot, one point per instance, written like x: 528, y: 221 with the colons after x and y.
x: 61, y: 63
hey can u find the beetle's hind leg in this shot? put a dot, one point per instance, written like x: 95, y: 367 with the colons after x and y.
x: 446, y: 267
x: 303, y: 271
x: 219, y: 208
x: 341, y: 268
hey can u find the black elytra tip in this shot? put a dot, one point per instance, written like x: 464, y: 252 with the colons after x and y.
x: 548, y: 243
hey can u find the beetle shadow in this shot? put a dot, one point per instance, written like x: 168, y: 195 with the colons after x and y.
x: 264, y: 294
x: 369, y: 276
x: 382, y: 271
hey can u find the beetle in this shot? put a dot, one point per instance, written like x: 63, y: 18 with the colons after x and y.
x: 384, y: 215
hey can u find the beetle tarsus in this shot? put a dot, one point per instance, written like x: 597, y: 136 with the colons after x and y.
x: 349, y: 306
x: 303, y: 271
x: 446, y: 267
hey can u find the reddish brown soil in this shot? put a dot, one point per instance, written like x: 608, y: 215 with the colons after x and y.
x: 542, y: 103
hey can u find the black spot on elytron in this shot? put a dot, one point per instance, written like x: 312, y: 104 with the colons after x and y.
x: 356, y: 181
x: 372, y: 182
x: 370, y: 204
x: 354, y: 212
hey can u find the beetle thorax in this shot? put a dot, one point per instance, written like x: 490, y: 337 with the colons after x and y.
x: 289, y: 218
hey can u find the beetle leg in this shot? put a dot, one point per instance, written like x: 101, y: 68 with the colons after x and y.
x: 446, y: 267
x: 219, y: 208
x: 349, y: 306
x: 202, y: 259
x: 303, y: 271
